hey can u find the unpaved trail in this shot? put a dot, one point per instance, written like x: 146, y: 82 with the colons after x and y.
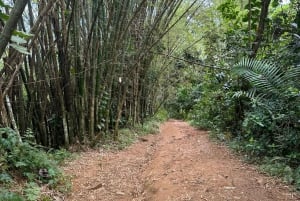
x: 179, y: 163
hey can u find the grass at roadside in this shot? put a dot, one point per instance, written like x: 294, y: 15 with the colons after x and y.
x: 127, y: 136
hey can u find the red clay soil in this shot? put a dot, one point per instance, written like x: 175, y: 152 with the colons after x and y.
x: 179, y: 163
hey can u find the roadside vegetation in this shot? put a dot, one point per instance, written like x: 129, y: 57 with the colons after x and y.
x: 243, y: 82
x: 103, y: 73
x: 129, y: 135
x: 29, y: 171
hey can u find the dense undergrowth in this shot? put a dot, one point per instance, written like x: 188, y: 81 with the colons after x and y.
x: 260, y: 121
x: 26, y: 169
x: 249, y: 98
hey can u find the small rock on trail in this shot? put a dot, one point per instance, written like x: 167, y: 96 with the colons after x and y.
x: 180, y: 163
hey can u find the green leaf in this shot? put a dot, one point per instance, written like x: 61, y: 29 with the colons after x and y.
x: 5, y: 178
x: 20, y: 164
x: 20, y: 48
x: 261, y: 74
x: 275, y: 3
x: 32, y: 191
x: 4, y: 16
x: 5, y: 195
x: 18, y: 40
x: 22, y: 34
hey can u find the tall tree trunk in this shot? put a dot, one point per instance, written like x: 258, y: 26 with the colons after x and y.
x: 261, y: 27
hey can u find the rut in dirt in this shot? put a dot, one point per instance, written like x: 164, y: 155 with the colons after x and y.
x: 179, y: 163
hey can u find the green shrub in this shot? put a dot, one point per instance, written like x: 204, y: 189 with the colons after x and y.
x: 10, y: 196
x: 5, y: 178
x: 183, y: 102
x: 33, y: 164
x: 277, y: 166
x: 297, y: 177
x: 127, y: 136
x: 214, y: 110
x: 161, y: 116
x: 60, y: 156
x: 25, y: 158
x: 32, y: 191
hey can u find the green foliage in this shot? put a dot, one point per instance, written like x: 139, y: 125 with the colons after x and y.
x: 277, y: 167
x: 229, y: 10
x: 161, y: 116
x: 274, y: 96
x: 3, y: 16
x: 184, y: 100
x: 32, y: 191
x: 214, y: 110
x: 5, y: 178
x: 24, y: 157
x: 127, y: 136
x: 18, y: 42
x: 33, y: 164
x: 270, y: 127
x: 254, y: 105
x: 20, y: 48
x: 297, y: 178
x: 265, y: 76
x: 60, y: 156
x: 10, y: 196
x: 4, y: 4
x: 252, y: 12
x: 261, y: 74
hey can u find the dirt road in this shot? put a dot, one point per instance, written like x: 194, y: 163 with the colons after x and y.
x: 180, y: 163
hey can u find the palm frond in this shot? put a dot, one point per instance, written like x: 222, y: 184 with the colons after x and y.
x: 248, y: 94
x: 251, y: 94
x: 292, y: 73
x: 261, y: 74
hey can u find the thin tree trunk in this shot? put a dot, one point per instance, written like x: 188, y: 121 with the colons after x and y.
x: 12, y: 118
x: 261, y: 27
x: 11, y: 24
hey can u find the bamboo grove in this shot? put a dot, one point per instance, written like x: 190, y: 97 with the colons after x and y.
x: 90, y: 69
